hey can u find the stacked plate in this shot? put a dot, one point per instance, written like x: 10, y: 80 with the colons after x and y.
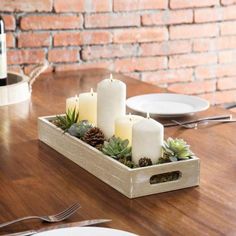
x: 167, y: 104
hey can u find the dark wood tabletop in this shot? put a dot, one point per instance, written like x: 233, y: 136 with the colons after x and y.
x: 36, y: 180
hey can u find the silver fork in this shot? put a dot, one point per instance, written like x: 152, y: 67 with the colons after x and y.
x: 51, y: 218
x: 201, y: 122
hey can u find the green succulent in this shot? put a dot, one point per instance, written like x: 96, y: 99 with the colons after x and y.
x: 175, y: 150
x: 79, y: 129
x: 66, y: 121
x: 117, y: 148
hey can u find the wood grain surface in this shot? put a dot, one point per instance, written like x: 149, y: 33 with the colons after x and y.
x: 36, y: 180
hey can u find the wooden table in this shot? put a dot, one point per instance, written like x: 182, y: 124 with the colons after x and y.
x: 35, y: 179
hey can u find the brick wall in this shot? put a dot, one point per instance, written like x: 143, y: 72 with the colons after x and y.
x: 187, y: 45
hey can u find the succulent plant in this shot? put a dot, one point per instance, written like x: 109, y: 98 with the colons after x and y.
x: 175, y: 150
x: 65, y: 122
x: 79, y: 129
x: 117, y: 148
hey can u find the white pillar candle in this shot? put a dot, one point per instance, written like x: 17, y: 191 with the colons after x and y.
x: 88, y: 107
x: 72, y: 103
x: 147, y: 140
x: 123, y: 126
x: 111, y: 104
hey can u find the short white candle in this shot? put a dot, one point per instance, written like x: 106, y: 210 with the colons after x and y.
x: 123, y: 126
x: 72, y: 103
x: 111, y: 104
x: 88, y: 107
x: 147, y: 140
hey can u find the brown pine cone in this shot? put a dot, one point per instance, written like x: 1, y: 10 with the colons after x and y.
x: 144, y: 162
x: 94, y: 137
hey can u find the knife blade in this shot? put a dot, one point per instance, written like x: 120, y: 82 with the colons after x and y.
x: 67, y: 225
x: 220, y: 117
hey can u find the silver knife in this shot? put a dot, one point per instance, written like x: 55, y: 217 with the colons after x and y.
x: 220, y: 117
x: 67, y: 225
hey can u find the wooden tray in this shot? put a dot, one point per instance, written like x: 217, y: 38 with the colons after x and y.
x: 130, y: 182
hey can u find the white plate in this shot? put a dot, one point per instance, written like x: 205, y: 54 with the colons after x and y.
x: 85, y: 231
x: 167, y: 104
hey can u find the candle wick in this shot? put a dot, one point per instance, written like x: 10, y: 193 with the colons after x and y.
x: 91, y: 91
x: 111, y: 77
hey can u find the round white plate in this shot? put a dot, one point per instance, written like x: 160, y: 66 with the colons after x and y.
x: 167, y: 104
x: 85, y: 231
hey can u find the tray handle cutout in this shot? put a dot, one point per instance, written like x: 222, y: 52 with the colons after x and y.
x: 165, y: 177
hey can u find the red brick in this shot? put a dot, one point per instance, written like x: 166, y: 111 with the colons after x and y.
x: 108, y: 20
x: 225, y: 70
x: 233, y: 110
x: 228, y: 28
x: 168, y: 17
x: 79, y: 66
x: 10, y: 40
x: 165, y: 48
x: 27, y: 56
x: 140, y: 64
x: 215, y: 14
x: 221, y: 97
x: 133, y: 75
x: 25, y: 5
x: 83, y: 6
x: 33, y: 39
x: 109, y: 51
x: 193, y: 31
x: 206, y: 72
x: 227, y: 57
x: 176, y: 4
x: 9, y: 21
x: 135, y: 5
x: 226, y: 83
x: 37, y: 22
x: 141, y: 35
x: 196, y: 87
x: 63, y: 55
x: 168, y: 76
x: 228, y: 2
x: 213, y: 44
x: 189, y: 60
x: 82, y: 38
x: 16, y: 69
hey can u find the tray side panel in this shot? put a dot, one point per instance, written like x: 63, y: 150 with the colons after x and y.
x: 190, y: 172
x: 86, y: 157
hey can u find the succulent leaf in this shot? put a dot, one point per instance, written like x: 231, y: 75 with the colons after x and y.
x: 79, y: 129
x: 175, y: 150
x: 65, y: 122
x: 117, y: 148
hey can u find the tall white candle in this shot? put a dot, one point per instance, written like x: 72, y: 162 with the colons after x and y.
x: 72, y: 103
x: 111, y: 104
x: 88, y: 107
x: 124, y: 124
x: 147, y: 140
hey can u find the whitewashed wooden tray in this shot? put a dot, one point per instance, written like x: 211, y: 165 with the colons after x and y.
x: 130, y: 182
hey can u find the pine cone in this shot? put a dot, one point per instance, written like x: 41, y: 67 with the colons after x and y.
x: 145, y: 162
x: 94, y: 137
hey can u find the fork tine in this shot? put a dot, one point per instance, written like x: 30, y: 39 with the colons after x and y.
x: 67, y: 214
x: 65, y: 210
x: 70, y: 209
